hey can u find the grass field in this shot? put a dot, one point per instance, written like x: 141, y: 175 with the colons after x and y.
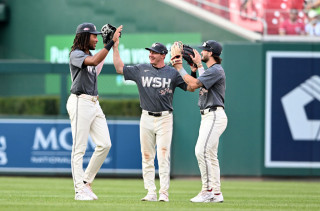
x: 32, y: 193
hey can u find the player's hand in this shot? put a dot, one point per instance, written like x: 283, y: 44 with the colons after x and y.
x: 197, y: 57
x: 177, y: 66
x: 117, y: 34
x: 193, y: 68
x: 116, y: 44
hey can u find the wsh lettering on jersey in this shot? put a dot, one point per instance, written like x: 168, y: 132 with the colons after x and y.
x: 155, y: 82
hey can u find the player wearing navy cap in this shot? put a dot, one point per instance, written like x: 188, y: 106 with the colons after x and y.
x: 156, y: 84
x: 84, y: 110
x: 212, y: 84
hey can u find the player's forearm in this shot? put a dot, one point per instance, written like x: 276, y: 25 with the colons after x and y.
x: 194, y: 71
x: 101, y: 55
x: 118, y: 64
x: 97, y: 58
x: 191, y: 81
x: 99, y: 66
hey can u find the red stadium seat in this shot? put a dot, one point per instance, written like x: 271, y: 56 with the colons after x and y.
x: 272, y: 11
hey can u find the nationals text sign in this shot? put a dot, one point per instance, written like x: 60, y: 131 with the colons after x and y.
x: 31, y: 145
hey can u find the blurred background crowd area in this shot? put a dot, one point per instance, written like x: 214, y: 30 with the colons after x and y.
x: 268, y: 17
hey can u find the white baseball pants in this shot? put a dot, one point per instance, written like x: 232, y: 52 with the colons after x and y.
x: 156, y: 134
x: 87, y: 117
x: 212, y: 126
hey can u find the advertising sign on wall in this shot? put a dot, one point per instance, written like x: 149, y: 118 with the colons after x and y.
x: 132, y: 51
x: 30, y: 145
x: 292, y: 135
x: 131, y: 47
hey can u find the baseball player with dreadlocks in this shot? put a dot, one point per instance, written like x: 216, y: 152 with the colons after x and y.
x: 156, y: 84
x: 84, y: 110
x: 212, y: 84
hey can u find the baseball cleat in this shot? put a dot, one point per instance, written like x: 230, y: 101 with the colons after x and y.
x: 203, y: 196
x: 163, y: 197
x: 150, y: 197
x: 88, y: 190
x: 82, y: 196
x: 217, y: 198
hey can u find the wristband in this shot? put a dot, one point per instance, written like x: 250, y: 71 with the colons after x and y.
x: 183, y: 72
x: 199, y: 64
x: 201, y: 71
x: 109, y: 45
x: 193, y: 74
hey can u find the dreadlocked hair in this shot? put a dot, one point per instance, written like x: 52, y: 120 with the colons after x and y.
x: 81, y: 42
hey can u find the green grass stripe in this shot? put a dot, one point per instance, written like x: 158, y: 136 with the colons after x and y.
x: 35, y: 193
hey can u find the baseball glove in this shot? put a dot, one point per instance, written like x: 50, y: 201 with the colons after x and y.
x: 107, y: 33
x: 176, y: 53
x: 187, y: 51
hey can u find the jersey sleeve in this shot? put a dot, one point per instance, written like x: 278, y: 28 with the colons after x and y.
x: 210, y: 77
x: 77, y: 58
x: 131, y: 72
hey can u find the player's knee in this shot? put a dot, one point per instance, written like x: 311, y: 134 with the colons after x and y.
x: 105, y: 147
x: 215, y: 160
x: 199, y: 153
x: 108, y: 146
x: 147, y: 156
x: 163, y: 153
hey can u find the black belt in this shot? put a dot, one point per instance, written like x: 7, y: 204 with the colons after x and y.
x: 210, y: 109
x: 157, y: 114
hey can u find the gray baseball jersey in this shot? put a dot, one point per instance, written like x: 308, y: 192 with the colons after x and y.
x: 84, y: 78
x: 156, y: 86
x: 213, y: 92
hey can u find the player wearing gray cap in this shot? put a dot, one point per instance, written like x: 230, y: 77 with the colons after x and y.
x: 84, y: 110
x: 156, y: 84
x: 212, y: 84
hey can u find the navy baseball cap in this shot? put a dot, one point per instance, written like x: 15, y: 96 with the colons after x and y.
x: 158, y: 47
x: 87, y: 27
x: 213, y: 46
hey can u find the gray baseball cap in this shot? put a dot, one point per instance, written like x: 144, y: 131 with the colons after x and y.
x: 213, y: 46
x: 87, y: 27
x: 159, y: 48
